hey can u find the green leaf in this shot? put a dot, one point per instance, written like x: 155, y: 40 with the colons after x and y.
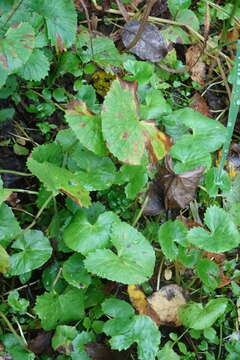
x: 195, y: 316
x: 176, y: 35
x: 4, y: 260
x: 61, y: 21
x: 36, y: 68
x: 54, y: 309
x: 223, y: 235
x: 134, y: 261
x: 135, y: 176
x: 154, y: 105
x: 9, y: 226
x: 51, y: 152
x: 35, y: 250
x: 139, y: 329
x: 210, y: 182
x: 16, y: 350
x: 79, y: 352
x: 142, y: 71
x: 93, y: 171
x: 208, y: 271
x: 188, y: 17
x: 190, y: 154
x: 6, y: 114
x: 120, y: 123
x: 17, y: 304
x: 15, y: 48
x: 81, y: 236
x: 170, y: 233
x: 100, y: 49
x: 58, y: 179
x: 86, y: 126
x: 167, y: 353
x: 75, y: 273
x: 62, y: 338
x: 117, y: 308
x: 178, y: 5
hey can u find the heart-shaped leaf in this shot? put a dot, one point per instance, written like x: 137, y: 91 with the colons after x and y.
x: 84, y: 237
x: 134, y: 261
x: 195, y: 316
x: 35, y: 250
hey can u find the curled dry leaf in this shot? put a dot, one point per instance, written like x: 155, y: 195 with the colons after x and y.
x: 42, y: 343
x: 97, y: 351
x: 233, y: 161
x: 151, y: 45
x: 199, y: 104
x: 179, y: 189
x: 196, y: 66
x: 166, y: 303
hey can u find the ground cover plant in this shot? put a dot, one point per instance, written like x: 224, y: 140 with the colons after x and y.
x: 119, y: 189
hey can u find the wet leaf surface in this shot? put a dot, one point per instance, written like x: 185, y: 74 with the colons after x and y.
x: 179, y: 189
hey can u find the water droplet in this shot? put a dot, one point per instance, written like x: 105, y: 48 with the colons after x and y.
x: 238, y: 102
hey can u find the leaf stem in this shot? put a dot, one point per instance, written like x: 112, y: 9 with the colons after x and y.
x: 23, y: 191
x: 220, y: 342
x: 11, y: 328
x: 2, y: 171
x: 140, y: 211
x: 14, y: 9
x: 39, y: 213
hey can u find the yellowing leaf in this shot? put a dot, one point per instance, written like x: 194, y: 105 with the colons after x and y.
x: 4, y: 260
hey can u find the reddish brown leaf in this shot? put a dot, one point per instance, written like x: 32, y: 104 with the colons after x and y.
x: 179, y: 189
x: 42, y: 343
x: 224, y: 280
x: 196, y: 66
x: 218, y: 258
x: 188, y: 222
x: 200, y: 105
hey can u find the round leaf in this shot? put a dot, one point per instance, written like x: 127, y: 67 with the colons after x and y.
x: 134, y: 261
x: 35, y: 250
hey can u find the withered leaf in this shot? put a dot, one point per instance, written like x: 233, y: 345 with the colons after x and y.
x: 179, y: 189
x: 151, y: 45
x: 199, y: 104
x: 166, y: 302
x: 98, y: 351
x: 42, y: 343
x: 141, y: 304
x: 154, y: 205
x: 196, y: 65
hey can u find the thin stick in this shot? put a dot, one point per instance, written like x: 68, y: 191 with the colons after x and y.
x: 21, y: 287
x: 140, y: 211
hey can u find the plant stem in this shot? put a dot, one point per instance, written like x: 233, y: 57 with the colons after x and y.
x: 2, y: 171
x: 140, y: 211
x: 39, y: 213
x: 220, y: 342
x: 11, y: 328
x: 24, y: 191
x: 232, y: 116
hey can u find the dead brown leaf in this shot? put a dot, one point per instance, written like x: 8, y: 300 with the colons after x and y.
x: 166, y: 303
x: 151, y: 45
x: 218, y: 258
x: 233, y: 35
x: 42, y: 343
x: 200, y: 105
x: 154, y: 205
x: 179, y: 189
x: 97, y: 351
x: 196, y: 66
